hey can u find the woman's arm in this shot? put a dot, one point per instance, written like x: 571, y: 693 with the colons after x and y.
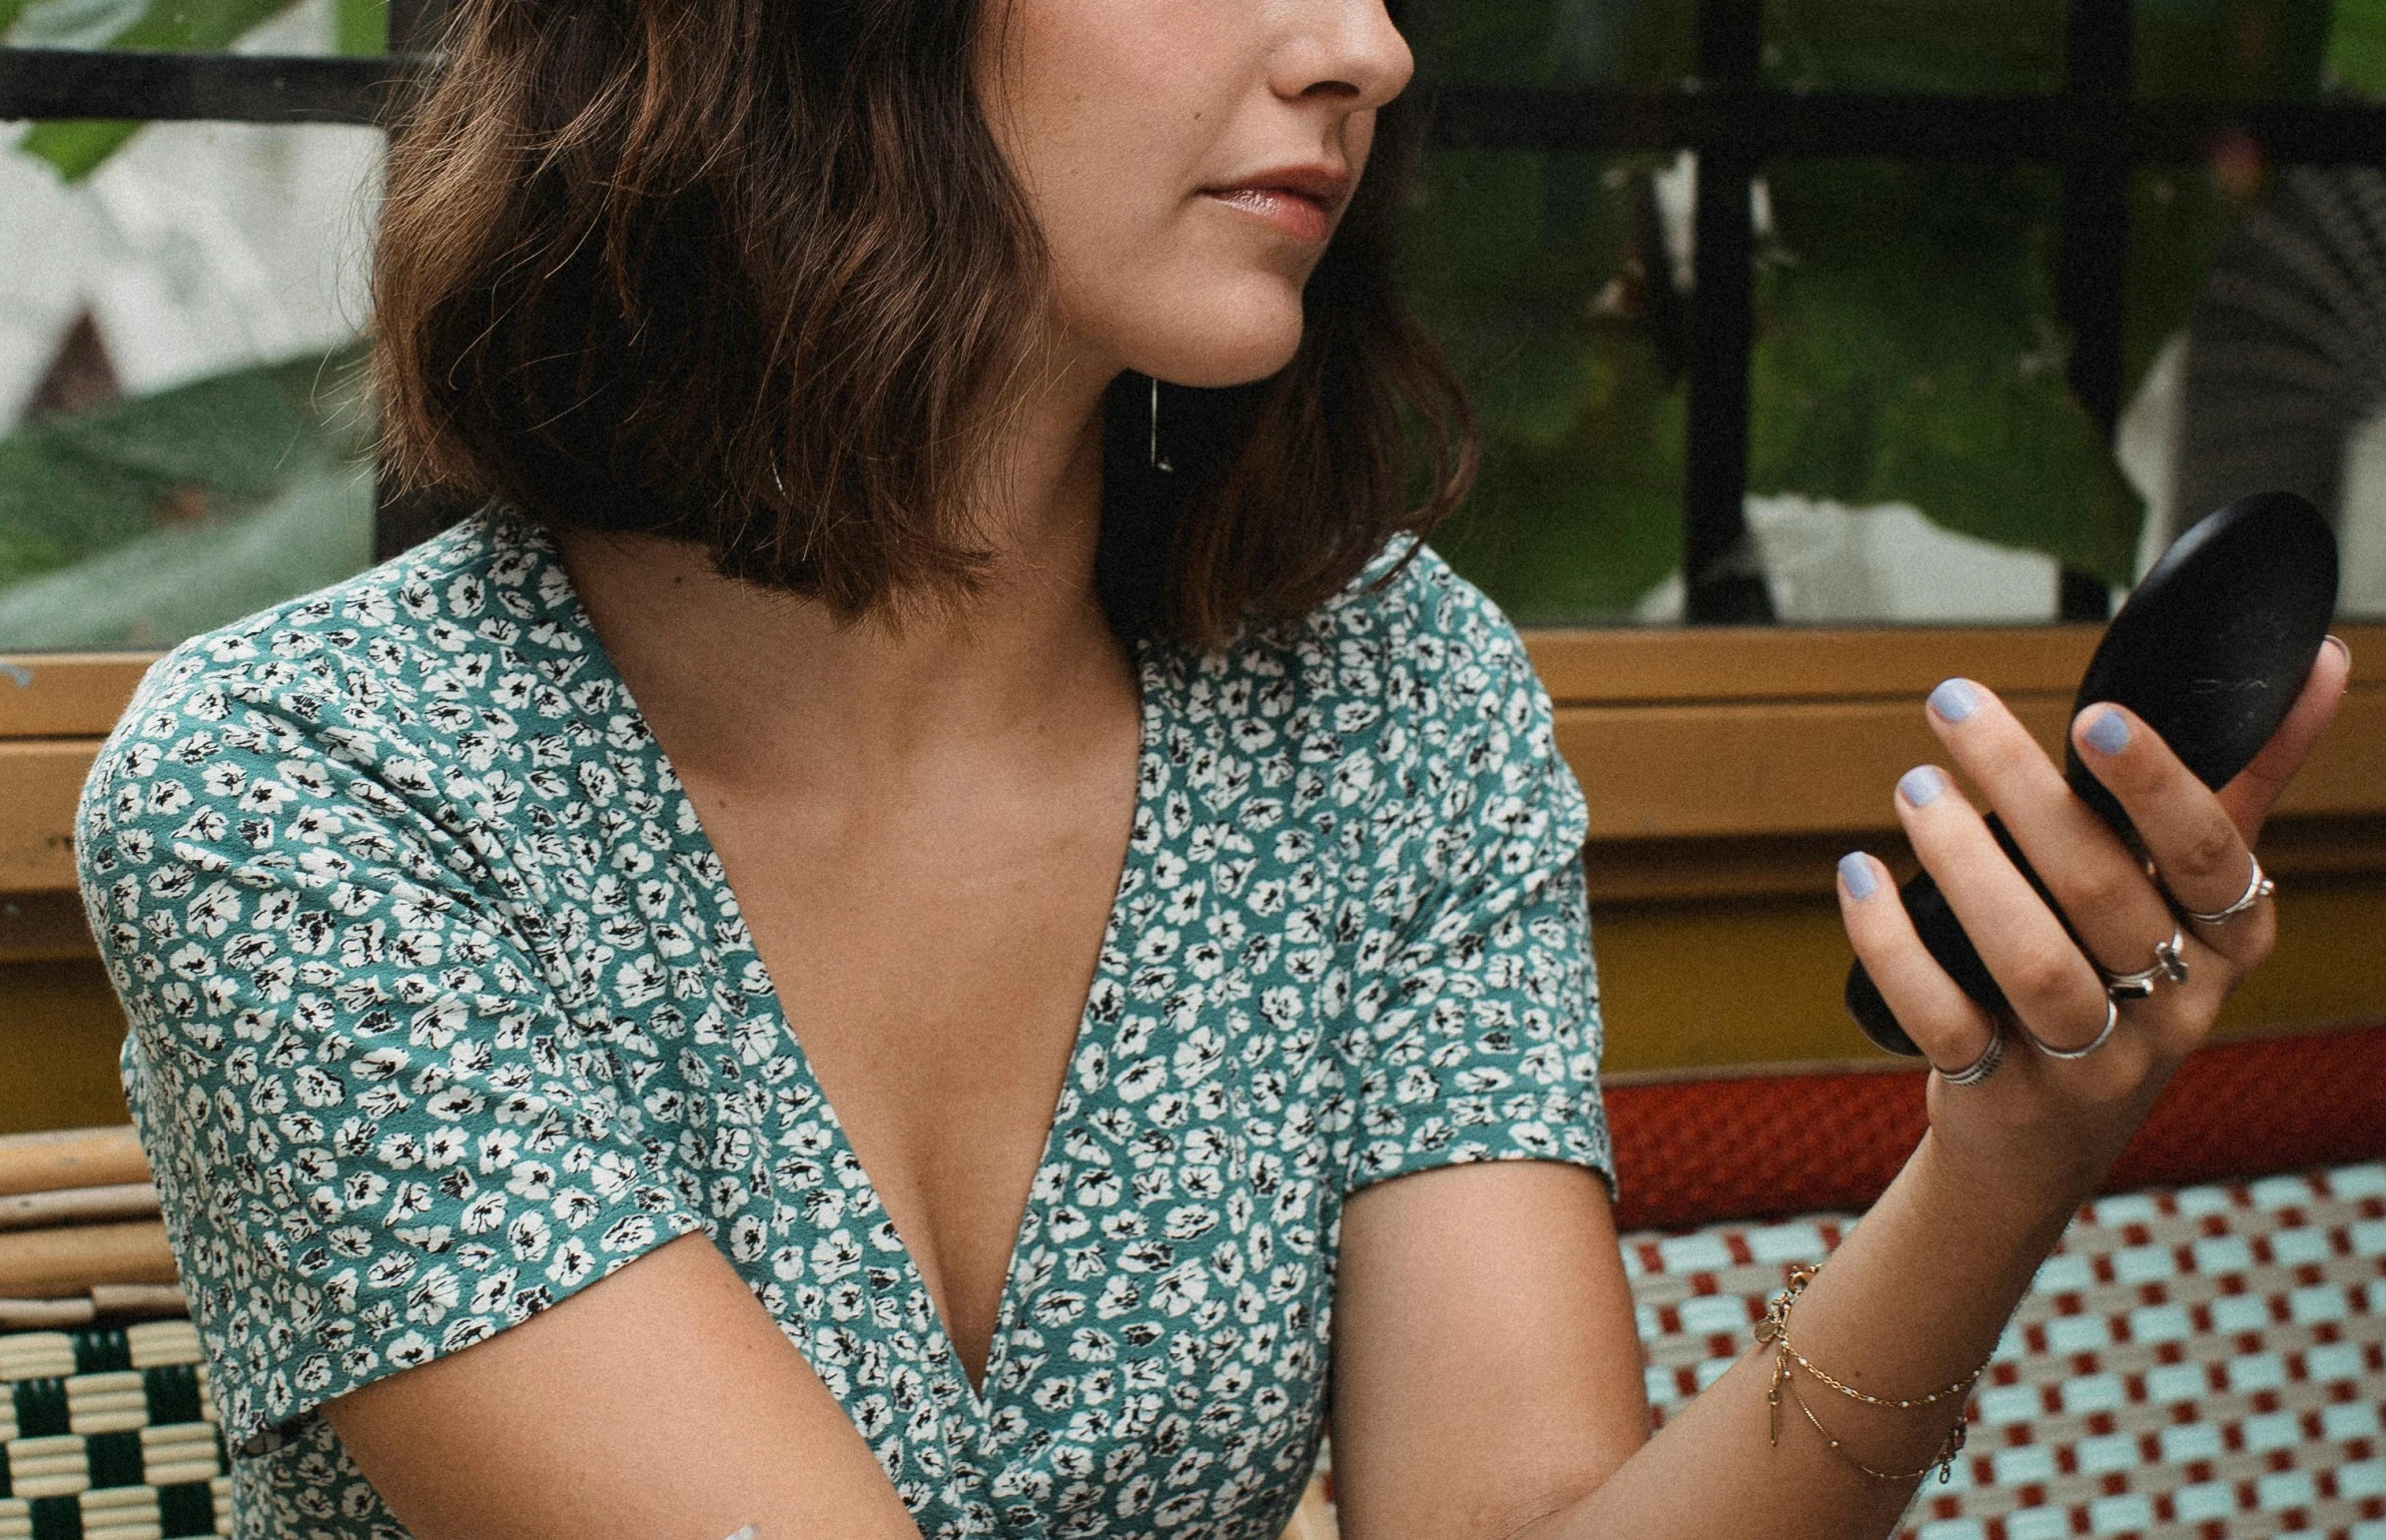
x: 1486, y: 1380
x: 659, y: 1404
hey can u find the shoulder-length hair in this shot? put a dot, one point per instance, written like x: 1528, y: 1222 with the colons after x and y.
x: 748, y: 274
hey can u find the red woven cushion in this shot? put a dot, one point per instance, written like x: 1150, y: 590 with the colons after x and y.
x: 1695, y: 1151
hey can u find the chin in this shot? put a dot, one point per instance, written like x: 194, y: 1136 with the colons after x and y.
x: 1233, y: 334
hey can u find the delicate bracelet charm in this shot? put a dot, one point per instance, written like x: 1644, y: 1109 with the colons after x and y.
x: 1775, y: 1328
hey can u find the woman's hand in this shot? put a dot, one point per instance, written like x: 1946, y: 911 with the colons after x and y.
x: 2040, y: 1126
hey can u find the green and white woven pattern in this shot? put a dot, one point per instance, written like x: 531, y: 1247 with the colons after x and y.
x: 110, y: 1435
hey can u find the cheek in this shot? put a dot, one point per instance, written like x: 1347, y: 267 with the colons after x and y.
x: 1114, y: 115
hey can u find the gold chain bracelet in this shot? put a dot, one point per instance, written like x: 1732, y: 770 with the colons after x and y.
x: 1774, y: 1329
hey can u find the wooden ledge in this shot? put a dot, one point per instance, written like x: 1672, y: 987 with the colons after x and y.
x: 1718, y: 762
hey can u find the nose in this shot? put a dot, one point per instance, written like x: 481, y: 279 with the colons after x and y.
x: 1347, y: 50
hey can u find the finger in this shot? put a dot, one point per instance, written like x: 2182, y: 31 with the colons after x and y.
x: 1947, y: 1025
x: 2188, y: 834
x: 2048, y: 984
x: 2249, y: 798
x: 2096, y: 883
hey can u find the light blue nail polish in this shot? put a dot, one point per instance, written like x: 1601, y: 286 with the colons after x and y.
x: 1955, y: 701
x: 1922, y: 786
x: 1857, y: 872
x: 2110, y: 733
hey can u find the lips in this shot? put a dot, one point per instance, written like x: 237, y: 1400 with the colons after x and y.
x: 1298, y: 201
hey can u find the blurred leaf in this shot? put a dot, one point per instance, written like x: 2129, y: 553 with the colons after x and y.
x: 2357, y: 47
x: 10, y: 10
x: 78, y: 147
x: 1553, y: 42
x: 1983, y: 47
x: 73, y: 490
x: 173, y: 583
x: 361, y: 26
x: 1908, y: 352
x: 1578, y: 509
x: 2231, y: 50
x: 1581, y: 529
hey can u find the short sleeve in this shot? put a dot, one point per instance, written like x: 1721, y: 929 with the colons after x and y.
x: 1477, y: 1033
x: 379, y: 1136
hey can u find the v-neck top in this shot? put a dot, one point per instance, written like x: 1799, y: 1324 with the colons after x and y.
x: 442, y: 1009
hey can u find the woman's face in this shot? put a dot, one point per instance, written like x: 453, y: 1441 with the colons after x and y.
x: 1187, y: 161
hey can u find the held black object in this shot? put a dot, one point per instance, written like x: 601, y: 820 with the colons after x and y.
x: 2211, y: 652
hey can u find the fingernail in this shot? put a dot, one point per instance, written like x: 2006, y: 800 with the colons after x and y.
x: 1856, y: 870
x: 1955, y: 701
x: 2338, y: 643
x: 1922, y: 785
x: 2110, y: 733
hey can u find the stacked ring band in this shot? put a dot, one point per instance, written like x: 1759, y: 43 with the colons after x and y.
x: 2257, y: 887
x: 1981, y: 1068
x: 2169, y: 964
x: 2112, y: 1020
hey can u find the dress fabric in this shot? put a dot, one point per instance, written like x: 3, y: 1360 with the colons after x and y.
x: 442, y: 1009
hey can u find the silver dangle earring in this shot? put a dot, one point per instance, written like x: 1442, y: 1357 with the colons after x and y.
x: 1159, y: 464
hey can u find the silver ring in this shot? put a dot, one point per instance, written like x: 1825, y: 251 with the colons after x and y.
x: 1981, y: 1068
x: 2257, y: 887
x: 2169, y: 964
x: 2113, y: 1019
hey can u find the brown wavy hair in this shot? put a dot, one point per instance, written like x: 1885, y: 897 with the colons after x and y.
x: 747, y: 273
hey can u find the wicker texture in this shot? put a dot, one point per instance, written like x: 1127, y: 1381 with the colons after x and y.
x: 2206, y: 1362
x: 108, y: 1435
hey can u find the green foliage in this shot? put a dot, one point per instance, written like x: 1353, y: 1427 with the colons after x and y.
x: 1554, y: 42
x: 2357, y: 47
x: 360, y: 26
x: 171, y: 583
x: 1578, y: 509
x: 78, y: 147
x: 1909, y: 347
x: 1974, y: 47
x: 1909, y: 354
x: 2231, y: 50
x: 206, y: 456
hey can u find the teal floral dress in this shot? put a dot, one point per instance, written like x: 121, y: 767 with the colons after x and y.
x: 441, y: 1010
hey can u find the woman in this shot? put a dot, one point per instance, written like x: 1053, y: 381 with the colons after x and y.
x: 934, y: 1061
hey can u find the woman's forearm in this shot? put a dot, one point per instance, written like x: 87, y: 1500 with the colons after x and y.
x: 1913, y: 1301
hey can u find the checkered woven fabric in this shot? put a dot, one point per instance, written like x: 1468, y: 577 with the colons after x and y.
x: 2200, y: 1361
x: 110, y: 1435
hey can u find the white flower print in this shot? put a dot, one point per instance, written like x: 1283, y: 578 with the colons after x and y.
x: 442, y: 1008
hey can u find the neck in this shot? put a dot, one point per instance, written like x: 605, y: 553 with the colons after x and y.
x: 743, y: 683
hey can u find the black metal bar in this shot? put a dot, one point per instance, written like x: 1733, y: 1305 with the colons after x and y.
x: 1722, y: 581
x: 2092, y: 272
x: 157, y: 87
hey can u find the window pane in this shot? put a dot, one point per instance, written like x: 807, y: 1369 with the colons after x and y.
x: 1549, y: 278
x: 1608, y: 43
x: 2234, y: 50
x: 1915, y: 452
x: 183, y: 441
x: 1971, y: 47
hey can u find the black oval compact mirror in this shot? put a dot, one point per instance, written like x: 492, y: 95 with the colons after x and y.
x: 2211, y: 651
